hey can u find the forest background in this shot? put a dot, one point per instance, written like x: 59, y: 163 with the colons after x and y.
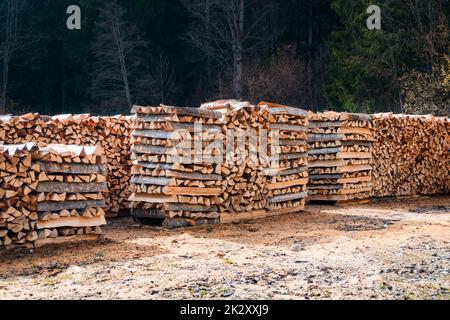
x: 312, y: 54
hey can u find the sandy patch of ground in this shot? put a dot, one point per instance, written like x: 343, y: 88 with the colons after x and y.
x: 394, y: 249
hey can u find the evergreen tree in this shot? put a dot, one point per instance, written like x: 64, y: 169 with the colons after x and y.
x: 368, y: 65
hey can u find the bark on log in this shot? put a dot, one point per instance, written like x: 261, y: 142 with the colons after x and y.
x: 59, y: 206
x: 61, y: 187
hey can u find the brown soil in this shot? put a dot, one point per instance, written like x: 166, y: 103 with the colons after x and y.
x: 391, y: 249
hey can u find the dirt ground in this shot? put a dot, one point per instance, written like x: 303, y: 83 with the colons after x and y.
x: 394, y: 249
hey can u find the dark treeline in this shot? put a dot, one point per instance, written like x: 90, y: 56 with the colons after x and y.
x: 316, y: 54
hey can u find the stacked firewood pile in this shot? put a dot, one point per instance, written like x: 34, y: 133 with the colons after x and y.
x: 340, y: 157
x: 244, y: 125
x: 411, y: 155
x: 288, y: 175
x: 71, y: 193
x: 265, y: 159
x: 17, y: 202
x: 175, y: 180
x: 52, y: 195
x: 114, y: 136
x: 110, y: 133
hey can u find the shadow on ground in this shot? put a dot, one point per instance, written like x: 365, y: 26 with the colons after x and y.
x: 116, y: 245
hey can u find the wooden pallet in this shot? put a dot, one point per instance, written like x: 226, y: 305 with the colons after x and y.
x: 158, y: 218
x: 335, y: 200
x: 55, y: 241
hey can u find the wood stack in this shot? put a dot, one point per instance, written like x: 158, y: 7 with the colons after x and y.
x: 17, y: 184
x: 114, y: 136
x: 71, y: 193
x: 175, y: 180
x: 244, y: 125
x: 340, y: 157
x: 287, y: 177
x: 265, y: 164
x: 110, y: 133
x: 53, y: 195
x: 411, y: 155
x: 15, y: 130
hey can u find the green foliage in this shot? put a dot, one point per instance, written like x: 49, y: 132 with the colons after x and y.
x: 368, y: 66
x: 427, y: 94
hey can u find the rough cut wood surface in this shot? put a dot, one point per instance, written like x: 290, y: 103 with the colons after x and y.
x: 411, y: 155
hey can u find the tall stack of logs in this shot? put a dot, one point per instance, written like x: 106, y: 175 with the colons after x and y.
x: 173, y: 183
x: 288, y: 149
x: 244, y: 125
x: 17, y: 201
x: 411, y: 155
x: 51, y: 195
x: 110, y: 133
x: 265, y: 160
x: 71, y: 193
x: 340, y: 157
